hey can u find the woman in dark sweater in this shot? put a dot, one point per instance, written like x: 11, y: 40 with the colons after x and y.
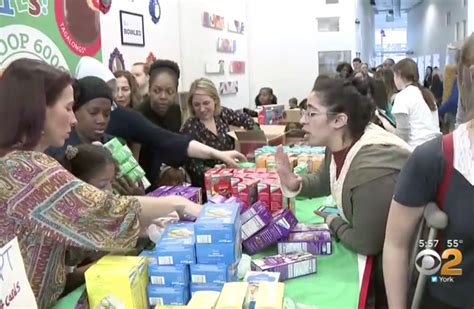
x: 162, y: 108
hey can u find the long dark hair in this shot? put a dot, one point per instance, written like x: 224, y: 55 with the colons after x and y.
x: 135, y: 96
x: 341, y: 96
x: 408, y: 70
x: 27, y: 87
x: 386, y: 75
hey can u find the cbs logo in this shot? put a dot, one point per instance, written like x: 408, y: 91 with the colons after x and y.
x: 428, y: 262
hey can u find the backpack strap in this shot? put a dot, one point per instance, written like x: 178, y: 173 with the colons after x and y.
x: 448, y: 153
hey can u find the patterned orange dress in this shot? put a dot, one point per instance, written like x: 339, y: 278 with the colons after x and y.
x: 49, y: 209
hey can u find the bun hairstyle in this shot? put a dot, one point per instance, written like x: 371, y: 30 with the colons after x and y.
x: 342, y: 96
x: 408, y: 70
x: 172, y: 176
x: 168, y: 66
x: 86, y: 160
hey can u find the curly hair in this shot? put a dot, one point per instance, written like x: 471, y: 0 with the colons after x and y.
x: 168, y: 66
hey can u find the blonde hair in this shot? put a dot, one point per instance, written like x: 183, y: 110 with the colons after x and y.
x: 467, y: 61
x: 209, y: 88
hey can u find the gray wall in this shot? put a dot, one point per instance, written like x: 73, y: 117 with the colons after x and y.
x: 427, y: 31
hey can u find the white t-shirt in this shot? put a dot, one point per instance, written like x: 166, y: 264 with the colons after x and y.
x: 424, y: 123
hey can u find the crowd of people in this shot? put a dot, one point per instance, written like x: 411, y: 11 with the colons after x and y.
x: 384, y: 161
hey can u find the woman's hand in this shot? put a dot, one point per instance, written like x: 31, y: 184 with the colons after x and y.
x: 284, y: 170
x: 231, y: 158
x: 124, y: 186
x: 187, y: 209
x: 327, y: 217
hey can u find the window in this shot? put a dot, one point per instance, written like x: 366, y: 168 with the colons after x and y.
x: 328, y: 24
x: 464, y: 27
x: 448, y: 19
x: 332, y: 1
x: 457, y: 32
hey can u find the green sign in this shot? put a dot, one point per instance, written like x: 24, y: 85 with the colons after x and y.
x: 58, y: 32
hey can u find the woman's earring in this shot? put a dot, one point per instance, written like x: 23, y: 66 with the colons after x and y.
x: 42, y: 132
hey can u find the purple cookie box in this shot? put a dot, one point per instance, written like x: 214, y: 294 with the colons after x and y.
x: 315, y: 242
x: 289, y: 266
x: 191, y: 193
x: 282, y: 224
x: 160, y: 191
x: 252, y: 211
x: 304, y: 227
x: 261, y: 219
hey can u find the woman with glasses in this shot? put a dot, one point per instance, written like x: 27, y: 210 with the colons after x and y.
x: 360, y: 169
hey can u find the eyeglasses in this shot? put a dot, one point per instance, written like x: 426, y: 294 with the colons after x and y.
x: 307, y: 114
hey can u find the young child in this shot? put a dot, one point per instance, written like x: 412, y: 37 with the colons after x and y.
x: 293, y: 102
x: 91, y: 163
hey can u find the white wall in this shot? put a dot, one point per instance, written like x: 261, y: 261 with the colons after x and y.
x: 470, y: 16
x: 427, y: 31
x: 162, y: 39
x: 199, y: 44
x: 365, y: 40
x: 284, y: 43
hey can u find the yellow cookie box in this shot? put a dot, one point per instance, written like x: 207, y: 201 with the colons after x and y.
x: 203, y: 300
x: 117, y: 282
x: 270, y: 295
x: 233, y: 296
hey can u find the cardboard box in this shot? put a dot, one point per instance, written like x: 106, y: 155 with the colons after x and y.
x: 247, y: 192
x: 272, y: 114
x: 233, y: 295
x: 218, y: 223
x: 254, y: 278
x: 248, y: 141
x: 116, y: 284
x: 261, y: 219
x: 281, y: 226
x: 204, y: 300
x: 257, y: 207
x: 315, y: 242
x: 228, y: 253
x: 161, y: 295
x: 151, y: 256
x: 289, y: 266
x: 207, y: 179
x: 176, y: 245
x: 213, y: 273
x: 205, y: 287
x: 304, y: 227
x: 292, y: 115
x: 220, y: 183
x: 270, y: 295
x: 173, y: 275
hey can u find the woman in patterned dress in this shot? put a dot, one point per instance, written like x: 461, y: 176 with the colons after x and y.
x: 41, y: 203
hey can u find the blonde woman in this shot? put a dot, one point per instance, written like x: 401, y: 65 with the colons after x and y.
x: 209, y: 124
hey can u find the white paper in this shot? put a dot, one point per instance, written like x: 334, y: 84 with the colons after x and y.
x: 15, y: 290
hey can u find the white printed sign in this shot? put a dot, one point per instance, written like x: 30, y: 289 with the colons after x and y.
x: 15, y: 290
x: 132, y: 28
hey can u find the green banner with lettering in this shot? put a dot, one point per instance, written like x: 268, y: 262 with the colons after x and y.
x: 58, y: 32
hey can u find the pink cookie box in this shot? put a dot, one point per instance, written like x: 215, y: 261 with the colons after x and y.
x: 261, y: 219
x: 289, y: 266
x: 315, y: 242
x: 282, y: 224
